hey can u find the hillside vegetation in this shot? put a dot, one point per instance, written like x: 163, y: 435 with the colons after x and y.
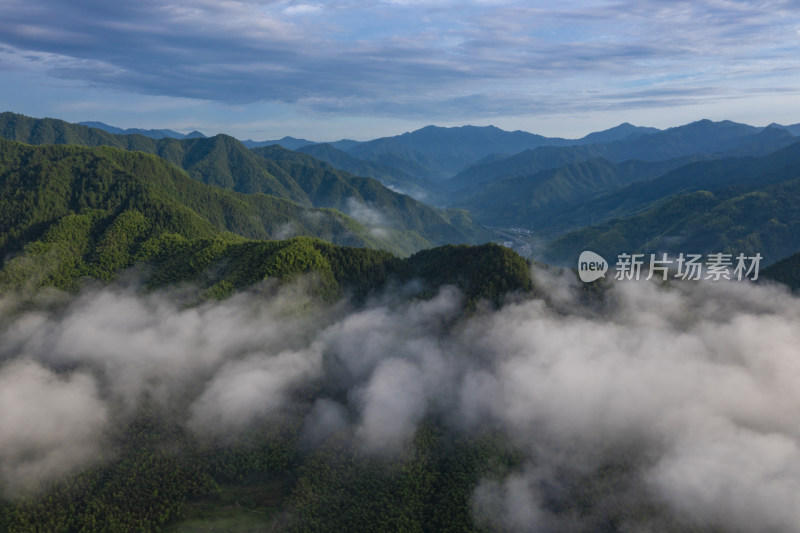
x: 225, y: 162
x: 70, y: 212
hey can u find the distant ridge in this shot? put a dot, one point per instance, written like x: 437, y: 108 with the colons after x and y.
x: 626, y: 130
x: 435, y: 152
x: 292, y: 143
x: 723, y: 138
x: 794, y: 129
x: 153, y: 134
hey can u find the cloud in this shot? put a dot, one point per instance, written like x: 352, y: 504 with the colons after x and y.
x: 370, y: 217
x: 326, y: 419
x: 287, y: 230
x: 673, y: 406
x: 361, y: 58
x: 394, y: 401
x: 303, y: 9
x: 515, y: 504
x: 249, y: 389
x: 695, y: 380
x: 49, y: 424
x: 151, y: 345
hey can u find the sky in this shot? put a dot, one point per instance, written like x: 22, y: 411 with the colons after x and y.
x: 262, y: 69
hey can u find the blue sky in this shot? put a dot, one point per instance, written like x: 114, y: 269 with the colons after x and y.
x: 357, y: 69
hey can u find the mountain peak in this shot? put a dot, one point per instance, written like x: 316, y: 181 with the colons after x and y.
x: 292, y: 143
x: 619, y: 132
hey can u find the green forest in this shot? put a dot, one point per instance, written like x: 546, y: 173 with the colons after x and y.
x: 379, y: 336
x: 74, y: 216
x: 225, y: 162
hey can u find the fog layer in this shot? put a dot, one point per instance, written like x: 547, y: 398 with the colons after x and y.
x: 692, y: 388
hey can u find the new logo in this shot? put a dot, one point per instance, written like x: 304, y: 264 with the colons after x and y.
x: 591, y: 266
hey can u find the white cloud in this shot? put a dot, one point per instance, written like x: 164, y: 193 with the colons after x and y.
x: 49, y: 424
x: 691, y: 388
x: 303, y: 9
x: 466, y: 61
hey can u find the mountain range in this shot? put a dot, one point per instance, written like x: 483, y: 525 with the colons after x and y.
x: 438, y: 153
x: 153, y: 134
x: 702, y: 139
x: 224, y: 162
x: 154, y: 279
x: 291, y: 143
x: 71, y: 212
x: 628, y: 187
x: 731, y: 205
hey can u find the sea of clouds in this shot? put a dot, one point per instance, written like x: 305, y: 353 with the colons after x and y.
x: 691, y: 387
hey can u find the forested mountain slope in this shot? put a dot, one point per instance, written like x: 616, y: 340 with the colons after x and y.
x: 69, y: 212
x: 75, y: 218
x: 764, y: 220
x: 102, y: 204
x: 225, y: 162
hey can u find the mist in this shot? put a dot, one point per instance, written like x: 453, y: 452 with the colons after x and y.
x: 373, y: 219
x: 686, y: 393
